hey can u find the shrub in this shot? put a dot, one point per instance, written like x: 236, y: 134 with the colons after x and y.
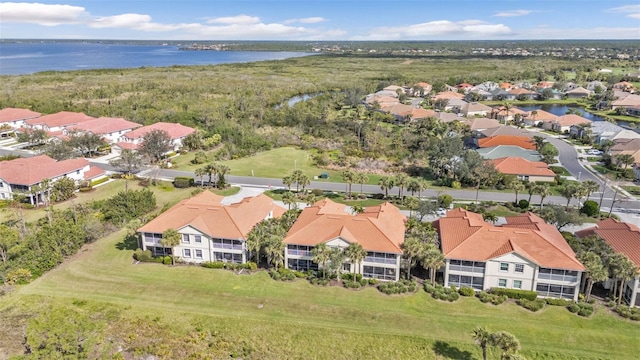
x: 182, y: 182
x: 445, y: 200
x: 250, y: 266
x: 352, y: 284
x: 143, y: 255
x: 167, y: 260
x: 485, y: 297
x: 213, y: 265
x: 573, y: 307
x: 99, y: 181
x: 585, y: 309
x: 590, y: 208
x: 466, y: 291
x: 364, y: 282
x: 515, y: 293
x: 282, y: 274
x: 18, y: 276
x: 373, y: 282
x: 319, y: 281
x: 317, y: 192
x: 533, y: 305
x: 623, y: 311
x: 442, y: 293
x: 400, y: 287
x: 556, y: 302
x: 350, y: 277
x: 523, y: 204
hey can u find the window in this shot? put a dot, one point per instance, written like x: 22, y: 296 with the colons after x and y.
x: 519, y: 268
x: 198, y: 239
x: 502, y: 282
x: 346, y: 267
x: 504, y: 266
x: 186, y: 253
x: 185, y: 238
x: 198, y: 254
x: 517, y: 284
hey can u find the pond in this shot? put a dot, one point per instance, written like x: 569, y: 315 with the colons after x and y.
x: 559, y: 110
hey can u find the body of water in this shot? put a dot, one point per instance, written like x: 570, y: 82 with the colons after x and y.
x: 560, y: 110
x: 28, y: 58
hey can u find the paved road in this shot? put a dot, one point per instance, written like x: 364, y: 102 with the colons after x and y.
x: 373, y: 189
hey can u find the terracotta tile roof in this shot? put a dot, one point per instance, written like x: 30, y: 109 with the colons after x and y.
x: 127, y: 146
x: 206, y: 213
x: 30, y: 171
x: 520, y: 166
x: 506, y: 130
x: 540, y: 115
x: 448, y: 95
x: 502, y: 111
x: 176, y: 131
x: 521, y: 91
x: 464, y: 86
x: 623, y: 237
x: 94, y: 172
x: 505, y: 85
x: 464, y: 236
x: 397, y: 108
x: 482, y: 123
x: 629, y: 100
x: 572, y: 119
x: 521, y: 141
x: 380, y: 228
x: 60, y: 119
x: 13, y: 114
x: 544, y: 84
x: 579, y: 90
x: 476, y: 107
x: 105, y: 125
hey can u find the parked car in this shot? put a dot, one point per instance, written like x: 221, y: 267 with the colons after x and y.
x: 594, y: 152
x: 441, y: 212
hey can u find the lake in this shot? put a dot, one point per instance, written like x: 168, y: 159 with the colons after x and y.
x: 29, y: 58
x: 560, y: 110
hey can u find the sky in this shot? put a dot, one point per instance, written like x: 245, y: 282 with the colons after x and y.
x: 321, y: 19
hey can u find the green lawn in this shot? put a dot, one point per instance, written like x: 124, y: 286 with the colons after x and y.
x: 294, y: 320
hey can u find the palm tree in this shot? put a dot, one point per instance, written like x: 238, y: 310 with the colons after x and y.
x: 414, y: 186
x: 596, y: 271
x: 254, y: 240
x: 361, y: 178
x: 288, y: 180
x: 349, y: 177
x: 615, y: 265
x: 628, y: 271
x: 336, y: 260
x: 386, y: 183
x: 321, y: 254
x: 432, y: 260
x: 274, y: 249
x: 490, y: 217
x: 211, y: 170
x: 170, y: 239
x: 200, y: 172
x: 289, y: 199
x: 517, y: 187
x: 356, y: 253
x: 413, y: 248
x: 508, y: 343
x: 569, y: 191
x: 531, y: 189
x: 357, y: 209
x: 539, y: 142
x: 412, y: 203
x: 401, y: 181
x: 590, y: 187
x: 482, y: 338
x: 222, y: 170
x: 624, y: 159
x: 544, y: 191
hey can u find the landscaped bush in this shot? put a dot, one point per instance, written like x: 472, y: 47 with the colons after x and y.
x: 466, y: 291
x: 364, y: 282
x: 319, y: 281
x: 515, y: 293
x: 485, y: 297
x: 442, y: 293
x: 350, y: 277
x: 282, y: 275
x: 590, y: 208
x: 573, y: 307
x: 167, y: 260
x: 373, y: 282
x: 523, y: 204
x: 352, y: 284
x: 182, y: 182
x: 533, y: 305
x: 142, y: 255
x: 317, y: 192
x: 556, y: 302
x: 585, y: 309
x: 213, y: 265
x: 400, y: 287
x: 99, y: 181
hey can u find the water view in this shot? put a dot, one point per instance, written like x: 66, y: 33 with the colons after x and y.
x: 560, y: 110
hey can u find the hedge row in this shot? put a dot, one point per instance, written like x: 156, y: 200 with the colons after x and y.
x: 182, y: 182
x: 485, y: 297
x: 400, y: 287
x: 440, y: 292
x: 99, y: 181
x: 515, y: 293
x: 229, y: 266
x: 533, y: 305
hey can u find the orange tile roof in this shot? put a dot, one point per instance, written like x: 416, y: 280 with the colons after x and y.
x: 105, y: 125
x: 541, y: 115
x: 521, y: 91
x: 465, y: 236
x: 206, y: 213
x: 448, y: 95
x: 481, y: 123
x: 501, y: 110
x: 623, y: 237
x: 176, y: 131
x: 30, y: 171
x: 127, y: 146
x: 380, y: 228
x: 60, y: 119
x: 13, y: 114
x: 572, y: 119
x: 94, y: 172
x: 544, y: 84
x: 520, y: 166
x: 521, y: 141
x: 505, y: 85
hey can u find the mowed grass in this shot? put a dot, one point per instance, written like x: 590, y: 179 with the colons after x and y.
x: 299, y: 320
x: 274, y: 164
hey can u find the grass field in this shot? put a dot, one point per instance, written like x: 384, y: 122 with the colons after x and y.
x: 298, y: 320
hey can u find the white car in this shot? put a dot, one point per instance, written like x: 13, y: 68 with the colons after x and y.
x: 594, y: 152
x: 441, y: 212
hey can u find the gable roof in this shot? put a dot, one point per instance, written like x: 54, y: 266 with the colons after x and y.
x: 465, y: 236
x: 380, y: 228
x: 14, y: 114
x: 623, y: 237
x: 60, y: 119
x: 540, y: 115
x: 629, y: 100
x: 521, y: 141
x: 571, y: 119
x: 521, y: 91
x: 579, y: 90
x: 105, y: 125
x: 519, y: 166
x: 31, y: 171
x: 475, y: 107
x: 447, y: 95
x: 176, y: 131
x: 506, y: 130
x: 503, y: 151
x: 481, y: 123
x: 206, y: 213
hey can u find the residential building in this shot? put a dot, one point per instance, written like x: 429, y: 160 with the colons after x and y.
x: 503, y: 151
x: 521, y: 93
x: 496, y: 140
x: 24, y: 175
x: 624, y: 238
x: 475, y: 109
x: 425, y: 88
x: 562, y: 124
x: 578, y: 92
x: 133, y: 139
x: 455, y: 105
x: 627, y: 102
x: 15, y: 118
x: 526, y: 253
x: 379, y: 230
x: 595, y: 85
x: 535, y: 117
x: 57, y: 122
x: 209, y: 230
x: 480, y: 124
x: 626, y: 147
x: 604, y: 130
x: 524, y: 170
x: 505, y: 130
x: 111, y: 129
x: 447, y: 95
x: 504, y: 115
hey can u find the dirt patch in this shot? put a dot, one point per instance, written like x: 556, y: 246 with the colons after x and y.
x: 13, y: 328
x: 407, y: 62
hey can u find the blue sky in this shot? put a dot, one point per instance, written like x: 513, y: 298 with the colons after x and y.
x: 321, y: 20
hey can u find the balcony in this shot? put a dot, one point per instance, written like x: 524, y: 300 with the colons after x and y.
x: 227, y: 246
x: 380, y: 260
x: 563, y: 278
x: 473, y: 269
x: 299, y: 252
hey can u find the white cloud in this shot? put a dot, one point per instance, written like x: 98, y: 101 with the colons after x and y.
x: 548, y: 32
x: 42, y: 14
x: 309, y: 20
x: 120, y: 21
x: 439, y: 29
x: 238, y: 20
x: 632, y: 11
x: 511, y: 13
